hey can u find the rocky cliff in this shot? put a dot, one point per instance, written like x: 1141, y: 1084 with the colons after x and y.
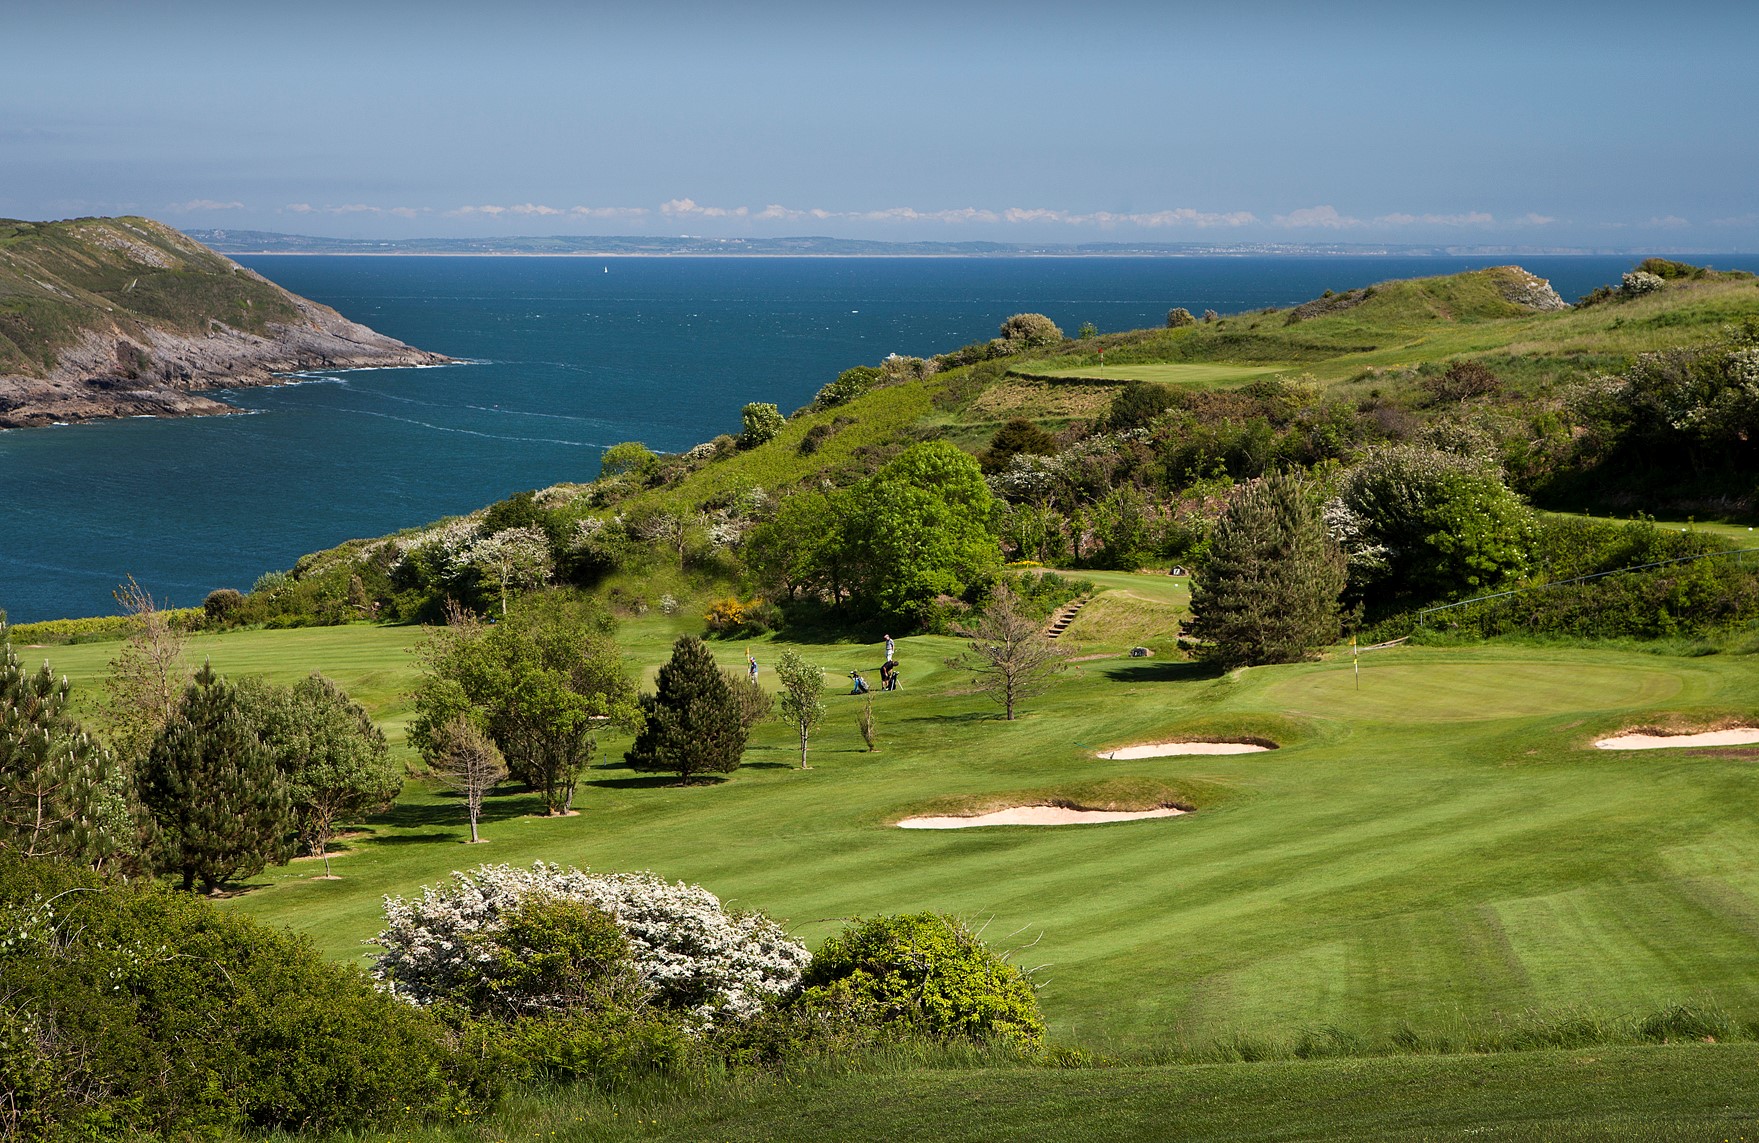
x: 118, y: 317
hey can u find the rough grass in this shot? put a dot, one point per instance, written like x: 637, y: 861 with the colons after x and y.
x: 1678, y: 1091
x: 1409, y: 323
x: 59, y: 280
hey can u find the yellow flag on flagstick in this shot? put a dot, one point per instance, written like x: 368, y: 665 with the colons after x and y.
x: 1356, y: 662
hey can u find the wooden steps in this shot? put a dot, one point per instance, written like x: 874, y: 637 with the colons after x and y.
x: 1065, y: 615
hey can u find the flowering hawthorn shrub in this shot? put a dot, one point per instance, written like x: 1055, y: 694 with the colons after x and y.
x: 690, y: 954
x: 1638, y: 282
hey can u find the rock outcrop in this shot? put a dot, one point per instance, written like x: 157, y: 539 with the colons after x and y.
x: 126, y: 317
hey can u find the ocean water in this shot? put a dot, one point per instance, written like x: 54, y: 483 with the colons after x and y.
x: 566, y: 356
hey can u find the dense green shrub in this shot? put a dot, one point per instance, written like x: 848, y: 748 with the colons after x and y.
x: 850, y: 384
x: 131, y: 1010
x: 1137, y: 404
x: 222, y: 606
x: 612, y: 1049
x: 631, y: 458
x: 1434, y: 525
x: 1039, y: 594
x: 1669, y: 270
x: 924, y: 973
x: 1030, y: 331
x: 761, y: 421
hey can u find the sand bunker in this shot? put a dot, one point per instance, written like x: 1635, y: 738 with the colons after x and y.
x: 1736, y: 736
x: 1166, y: 749
x: 1039, y: 815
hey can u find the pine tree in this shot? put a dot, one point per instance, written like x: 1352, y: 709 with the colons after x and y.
x: 692, y: 720
x: 56, y: 782
x: 1267, y: 591
x: 219, y: 804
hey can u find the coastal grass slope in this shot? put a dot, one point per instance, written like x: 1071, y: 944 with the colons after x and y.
x: 1497, y: 315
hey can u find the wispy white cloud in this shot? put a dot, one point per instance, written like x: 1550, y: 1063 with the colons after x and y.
x: 1014, y: 215
x: 690, y: 208
x: 195, y: 205
x: 355, y: 208
x: 607, y: 211
x: 1473, y: 218
x: 1330, y: 218
x: 540, y: 210
x: 1317, y: 218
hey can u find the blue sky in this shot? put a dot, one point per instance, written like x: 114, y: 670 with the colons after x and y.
x: 1548, y: 125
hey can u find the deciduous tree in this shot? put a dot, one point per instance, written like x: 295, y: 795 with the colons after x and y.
x: 541, y: 684
x: 148, y: 675
x: 1449, y: 524
x: 512, y: 558
x: 803, y: 704
x: 337, y: 763
x: 1011, y: 656
x: 467, y: 762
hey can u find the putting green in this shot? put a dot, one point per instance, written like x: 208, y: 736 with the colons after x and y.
x: 1165, y: 373
x: 1446, y: 692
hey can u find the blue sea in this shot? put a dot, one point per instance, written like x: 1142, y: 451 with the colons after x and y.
x: 565, y: 356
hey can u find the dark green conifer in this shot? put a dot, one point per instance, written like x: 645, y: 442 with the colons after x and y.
x: 1267, y: 591
x: 56, y: 782
x: 219, y: 803
x: 693, y: 724
x: 1017, y: 436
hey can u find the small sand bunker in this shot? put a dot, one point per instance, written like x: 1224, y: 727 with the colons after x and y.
x: 1735, y: 736
x: 1040, y: 816
x: 1166, y: 749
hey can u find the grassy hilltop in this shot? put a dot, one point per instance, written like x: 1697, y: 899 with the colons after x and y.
x: 1436, y: 910
x: 126, y: 316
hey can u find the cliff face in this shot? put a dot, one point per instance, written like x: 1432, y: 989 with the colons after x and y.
x: 117, y: 317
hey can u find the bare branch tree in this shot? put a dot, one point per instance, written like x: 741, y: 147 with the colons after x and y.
x: 1010, y: 654
x: 864, y: 723
x: 147, y: 676
x: 467, y: 762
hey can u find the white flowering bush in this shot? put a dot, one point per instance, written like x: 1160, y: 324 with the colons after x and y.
x: 1639, y: 282
x: 691, y: 954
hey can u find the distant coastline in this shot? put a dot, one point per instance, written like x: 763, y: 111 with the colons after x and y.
x: 256, y: 242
